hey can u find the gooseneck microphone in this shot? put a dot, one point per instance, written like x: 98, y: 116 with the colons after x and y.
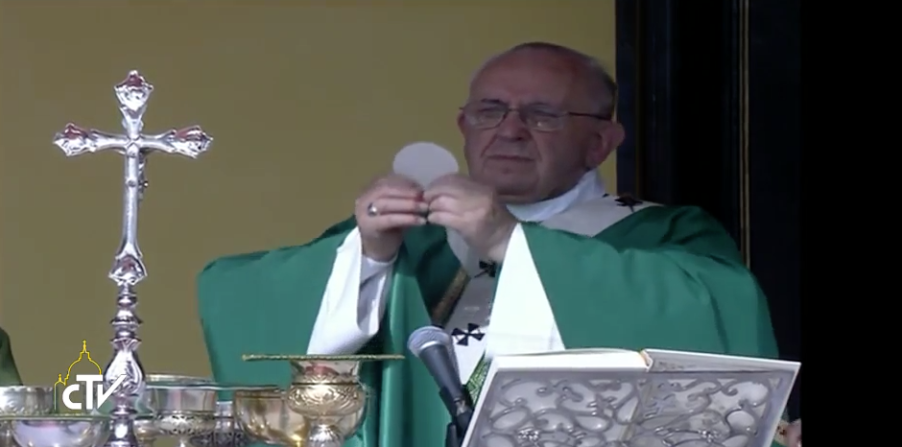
x: 434, y: 348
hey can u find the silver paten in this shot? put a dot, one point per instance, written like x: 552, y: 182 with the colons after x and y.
x: 128, y: 265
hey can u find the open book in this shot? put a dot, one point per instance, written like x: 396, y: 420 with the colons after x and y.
x: 619, y: 398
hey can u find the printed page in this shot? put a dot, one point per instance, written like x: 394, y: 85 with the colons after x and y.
x: 663, y: 360
x: 573, y: 359
x: 770, y: 395
x: 582, y: 351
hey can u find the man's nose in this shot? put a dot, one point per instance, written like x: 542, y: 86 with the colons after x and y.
x: 513, y: 127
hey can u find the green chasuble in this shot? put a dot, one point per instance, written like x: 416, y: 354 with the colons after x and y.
x: 660, y: 277
x: 9, y: 374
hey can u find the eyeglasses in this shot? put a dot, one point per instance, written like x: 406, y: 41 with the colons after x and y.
x: 540, y: 118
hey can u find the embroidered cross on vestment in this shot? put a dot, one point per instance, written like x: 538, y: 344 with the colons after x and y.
x: 628, y: 201
x: 463, y: 336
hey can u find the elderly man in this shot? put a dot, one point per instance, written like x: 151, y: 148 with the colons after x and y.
x: 527, y: 253
x: 9, y: 374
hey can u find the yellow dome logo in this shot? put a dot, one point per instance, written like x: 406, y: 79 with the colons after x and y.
x: 81, y: 356
x: 62, y: 384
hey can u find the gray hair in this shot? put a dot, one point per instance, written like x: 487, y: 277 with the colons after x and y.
x: 602, y: 86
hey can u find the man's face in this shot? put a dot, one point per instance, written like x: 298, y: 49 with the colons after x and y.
x: 523, y: 163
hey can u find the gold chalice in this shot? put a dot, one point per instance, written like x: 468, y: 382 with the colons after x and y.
x: 22, y: 401
x: 59, y: 430
x: 325, y: 391
x: 264, y: 414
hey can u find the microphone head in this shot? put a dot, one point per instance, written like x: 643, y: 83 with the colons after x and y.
x: 425, y: 337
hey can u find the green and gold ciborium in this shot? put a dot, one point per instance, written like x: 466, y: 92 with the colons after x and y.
x: 323, y: 406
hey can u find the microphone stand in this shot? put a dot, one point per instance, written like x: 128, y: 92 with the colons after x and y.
x: 461, y: 412
x: 452, y: 436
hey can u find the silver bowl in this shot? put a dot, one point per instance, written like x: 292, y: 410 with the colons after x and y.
x: 175, y: 394
x: 186, y: 398
x: 143, y: 404
x: 22, y: 401
x: 176, y: 379
x: 226, y: 430
x: 59, y: 430
x: 25, y: 400
x: 146, y: 430
x: 164, y: 381
x: 183, y: 411
x: 191, y: 414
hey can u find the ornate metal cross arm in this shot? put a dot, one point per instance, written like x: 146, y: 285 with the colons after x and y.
x: 128, y: 265
x: 189, y: 141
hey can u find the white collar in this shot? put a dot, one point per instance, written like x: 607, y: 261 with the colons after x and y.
x: 590, y: 187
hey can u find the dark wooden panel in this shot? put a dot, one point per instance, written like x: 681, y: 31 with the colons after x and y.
x: 775, y: 164
x: 710, y: 98
x: 627, y: 115
x: 646, y: 105
x: 679, y: 82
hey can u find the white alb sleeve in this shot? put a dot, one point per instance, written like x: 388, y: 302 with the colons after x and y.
x: 353, y: 303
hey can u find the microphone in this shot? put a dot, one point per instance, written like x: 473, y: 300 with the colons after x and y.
x: 433, y: 347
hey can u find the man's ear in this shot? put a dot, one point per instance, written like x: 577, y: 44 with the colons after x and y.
x: 609, y: 137
x: 461, y: 121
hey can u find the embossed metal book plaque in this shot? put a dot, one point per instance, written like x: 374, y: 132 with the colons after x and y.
x: 673, y: 405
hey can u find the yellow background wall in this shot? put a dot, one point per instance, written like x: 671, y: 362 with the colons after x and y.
x: 306, y: 102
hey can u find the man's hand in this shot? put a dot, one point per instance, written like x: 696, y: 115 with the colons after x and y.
x: 388, y: 207
x: 794, y: 434
x: 473, y: 210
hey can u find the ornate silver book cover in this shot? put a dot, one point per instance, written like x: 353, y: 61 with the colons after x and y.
x: 673, y: 403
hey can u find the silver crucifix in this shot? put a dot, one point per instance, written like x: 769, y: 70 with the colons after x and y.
x: 128, y: 267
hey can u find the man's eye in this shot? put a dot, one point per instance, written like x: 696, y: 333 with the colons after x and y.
x: 491, y: 111
x: 544, y: 114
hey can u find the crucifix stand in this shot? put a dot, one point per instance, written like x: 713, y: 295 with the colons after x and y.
x: 128, y: 265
